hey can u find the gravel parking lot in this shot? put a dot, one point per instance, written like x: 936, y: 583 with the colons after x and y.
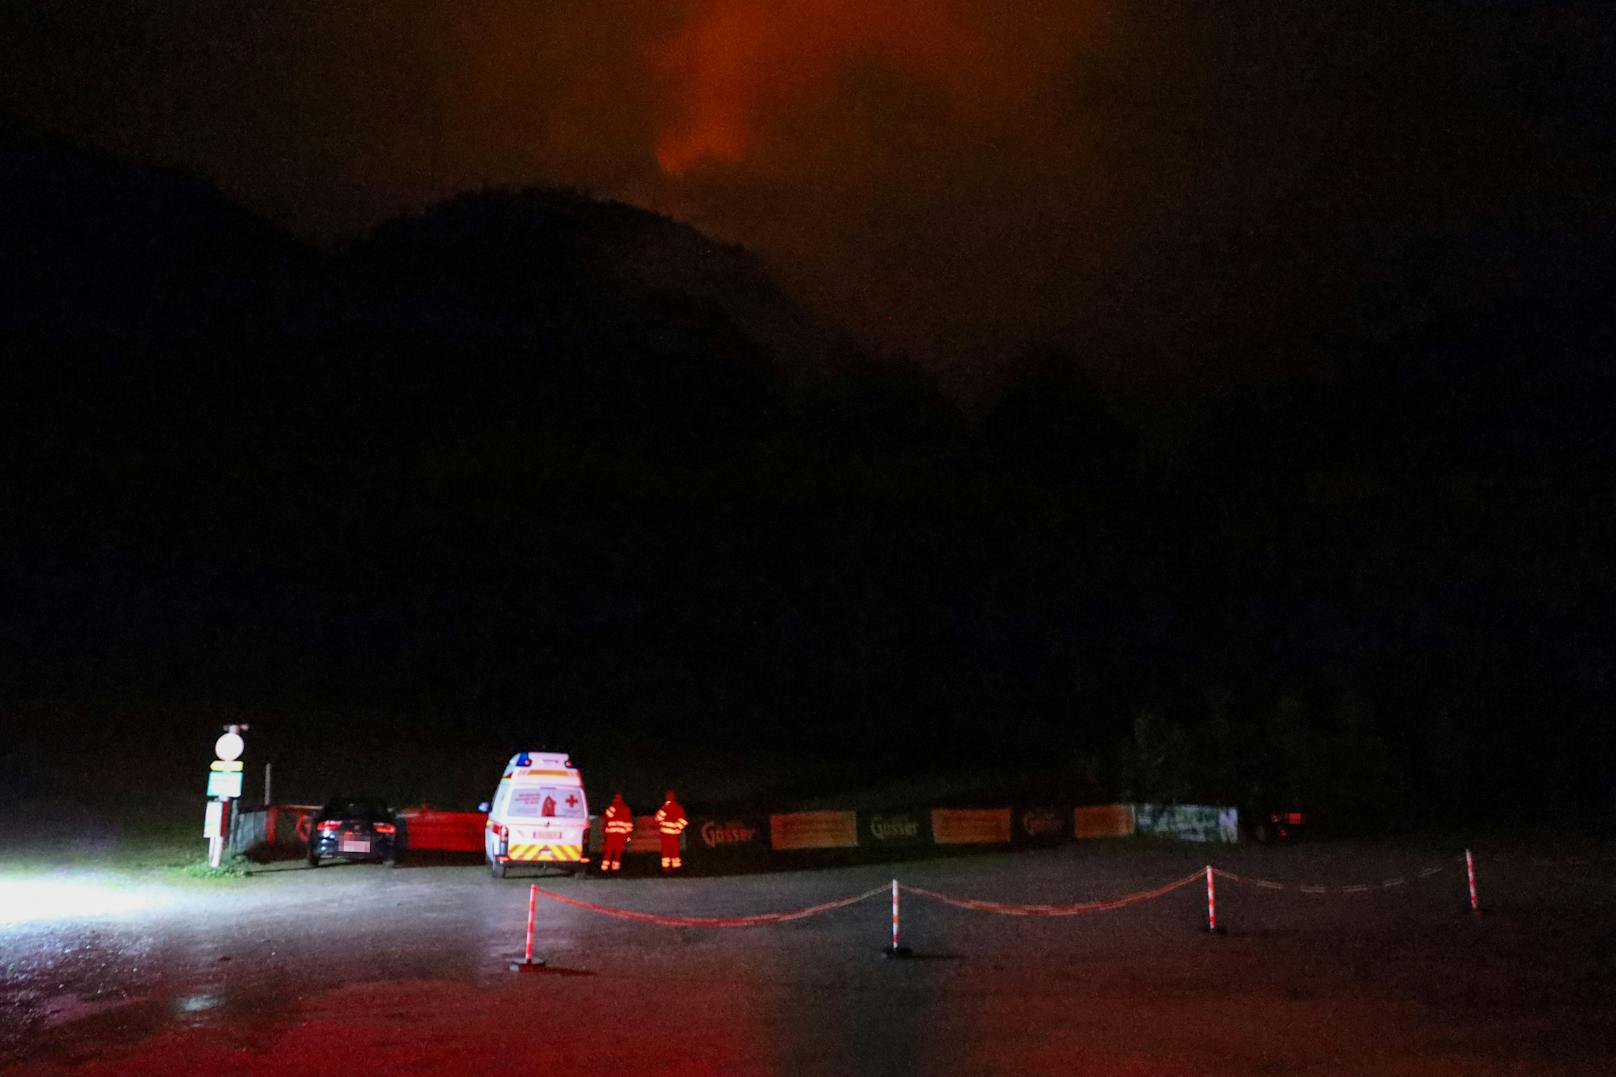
x: 362, y: 969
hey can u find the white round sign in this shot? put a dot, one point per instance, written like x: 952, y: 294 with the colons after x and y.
x: 229, y: 746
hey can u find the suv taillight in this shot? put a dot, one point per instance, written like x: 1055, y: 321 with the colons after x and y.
x: 331, y: 824
x: 385, y: 828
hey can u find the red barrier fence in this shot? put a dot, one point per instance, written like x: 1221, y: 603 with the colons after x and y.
x: 1318, y: 888
x: 286, y: 826
x: 1004, y: 908
x: 975, y: 905
x: 756, y: 920
x: 1075, y: 908
x: 443, y: 831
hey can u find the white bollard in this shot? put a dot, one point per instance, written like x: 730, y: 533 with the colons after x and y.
x: 529, y: 962
x: 896, y: 950
x: 1212, y: 927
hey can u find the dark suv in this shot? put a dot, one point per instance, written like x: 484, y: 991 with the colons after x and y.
x: 356, y: 829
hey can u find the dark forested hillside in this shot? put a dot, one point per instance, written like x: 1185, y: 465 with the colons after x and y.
x: 531, y: 458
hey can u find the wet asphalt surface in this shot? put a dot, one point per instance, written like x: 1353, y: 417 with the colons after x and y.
x: 1390, y: 980
x: 201, y: 953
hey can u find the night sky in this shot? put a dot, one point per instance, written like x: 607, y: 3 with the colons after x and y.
x: 1208, y: 382
x: 950, y: 179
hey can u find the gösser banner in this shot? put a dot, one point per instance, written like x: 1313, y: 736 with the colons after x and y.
x: 891, y: 829
x: 970, y: 826
x: 1042, y: 825
x: 814, y: 830
x: 728, y: 835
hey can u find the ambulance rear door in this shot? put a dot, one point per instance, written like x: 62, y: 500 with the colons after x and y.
x: 548, y: 817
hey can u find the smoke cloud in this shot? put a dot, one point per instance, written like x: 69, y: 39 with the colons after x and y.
x: 951, y: 178
x: 738, y: 71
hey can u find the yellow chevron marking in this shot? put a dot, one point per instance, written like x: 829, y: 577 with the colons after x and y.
x: 546, y: 852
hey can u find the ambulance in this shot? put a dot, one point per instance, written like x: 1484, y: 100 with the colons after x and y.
x: 538, y: 815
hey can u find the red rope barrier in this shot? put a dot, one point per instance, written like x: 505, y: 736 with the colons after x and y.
x: 1004, y: 908
x: 1551, y: 861
x: 1316, y: 888
x: 711, y: 921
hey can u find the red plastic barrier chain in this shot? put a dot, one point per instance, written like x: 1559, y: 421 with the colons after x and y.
x: 1004, y: 908
x: 1552, y: 861
x: 711, y: 921
x: 1313, y: 888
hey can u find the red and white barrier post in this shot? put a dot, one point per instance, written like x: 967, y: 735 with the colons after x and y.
x: 896, y: 950
x: 1212, y: 927
x: 1470, y: 877
x: 529, y: 962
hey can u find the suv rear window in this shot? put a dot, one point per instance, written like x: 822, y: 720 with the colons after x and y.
x: 545, y: 801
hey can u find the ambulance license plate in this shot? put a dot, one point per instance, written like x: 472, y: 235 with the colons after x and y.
x: 355, y: 845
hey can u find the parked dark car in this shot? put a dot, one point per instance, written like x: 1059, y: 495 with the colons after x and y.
x: 356, y: 829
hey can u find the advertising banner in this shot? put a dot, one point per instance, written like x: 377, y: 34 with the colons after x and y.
x: 647, y: 836
x: 970, y: 826
x: 1041, y: 824
x: 893, y: 829
x: 727, y: 835
x: 814, y: 830
x: 1104, y: 821
x: 1189, y: 822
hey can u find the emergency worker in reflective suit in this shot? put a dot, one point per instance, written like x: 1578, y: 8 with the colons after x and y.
x: 671, y: 822
x: 619, y: 824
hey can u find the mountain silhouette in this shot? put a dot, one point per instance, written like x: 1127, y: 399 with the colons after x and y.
x: 528, y: 452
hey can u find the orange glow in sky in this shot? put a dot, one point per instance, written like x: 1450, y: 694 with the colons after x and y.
x: 740, y: 67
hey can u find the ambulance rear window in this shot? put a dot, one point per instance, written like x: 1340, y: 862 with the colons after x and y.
x: 541, y: 801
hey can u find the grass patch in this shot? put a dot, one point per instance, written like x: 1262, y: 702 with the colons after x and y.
x: 235, y: 867
x: 142, y: 839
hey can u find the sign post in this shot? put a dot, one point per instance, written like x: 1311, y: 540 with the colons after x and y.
x: 224, y: 785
